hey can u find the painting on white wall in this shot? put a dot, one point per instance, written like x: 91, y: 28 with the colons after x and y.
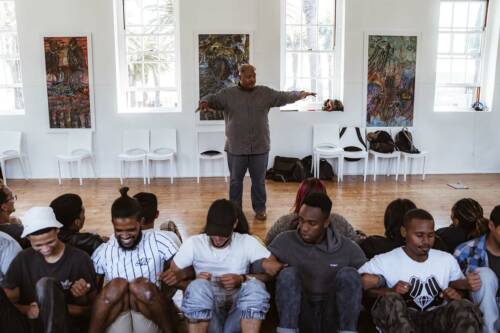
x: 219, y: 56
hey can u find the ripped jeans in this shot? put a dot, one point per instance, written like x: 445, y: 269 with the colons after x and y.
x: 208, y: 301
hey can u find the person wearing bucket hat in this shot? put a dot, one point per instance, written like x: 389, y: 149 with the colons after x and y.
x: 221, y: 258
x: 132, y: 262
x: 50, y: 285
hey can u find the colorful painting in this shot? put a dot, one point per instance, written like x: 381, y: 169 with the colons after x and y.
x: 391, y: 80
x: 68, y: 82
x: 219, y: 58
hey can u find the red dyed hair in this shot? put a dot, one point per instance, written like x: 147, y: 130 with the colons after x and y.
x: 308, y: 186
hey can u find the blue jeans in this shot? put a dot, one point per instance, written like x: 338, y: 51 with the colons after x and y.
x: 487, y: 300
x: 338, y: 309
x: 206, y: 300
x: 256, y: 165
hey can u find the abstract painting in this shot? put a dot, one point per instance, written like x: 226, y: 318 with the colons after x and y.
x: 68, y: 80
x: 219, y: 56
x: 391, y: 80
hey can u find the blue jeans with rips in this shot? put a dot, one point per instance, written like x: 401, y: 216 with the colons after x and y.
x: 207, y: 300
x: 336, y: 310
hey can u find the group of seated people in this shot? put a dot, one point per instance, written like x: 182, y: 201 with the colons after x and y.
x: 313, y: 267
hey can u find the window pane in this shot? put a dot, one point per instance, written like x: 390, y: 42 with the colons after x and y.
x: 7, y: 14
x: 293, y: 11
x: 459, y: 43
x: 324, y: 89
x: 472, y: 72
x: 135, y: 74
x: 132, y: 12
x: 326, y: 60
x: 326, y: 38
x: 476, y: 14
x: 167, y: 41
x: 460, y: 14
x: 458, y: 70
x: 445, y: 14
x: 326, y: 12
x: 473, y: 43
x: 444, y: 43
x: 293, y: 37
x: 443, y: 71
x: 309, y: 38
x: 309, y: 12
x: 454, y: 98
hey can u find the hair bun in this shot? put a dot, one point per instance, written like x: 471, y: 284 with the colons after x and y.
x: 124, y: 191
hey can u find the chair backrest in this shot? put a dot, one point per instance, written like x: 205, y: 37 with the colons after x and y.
x: 80, y: 141
x: 211, y: 140
x: 163, y: 139
x: 350, y: 137
x: 10, y: 142
x: 135, y: 141
x: 326, y: 135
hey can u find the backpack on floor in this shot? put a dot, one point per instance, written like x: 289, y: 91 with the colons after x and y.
x: 381, y: 142
x: 404, y: 142
x: 286, y: 169
x: 325, y: 168
x: 353, y: 148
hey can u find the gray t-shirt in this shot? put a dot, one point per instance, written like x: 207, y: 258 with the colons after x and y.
x: 245, y: 115
x: 317, y: 264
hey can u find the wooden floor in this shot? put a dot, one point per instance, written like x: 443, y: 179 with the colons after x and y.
x: 187, y: 202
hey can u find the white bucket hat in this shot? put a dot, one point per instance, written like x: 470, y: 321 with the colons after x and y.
x: 38, y: 218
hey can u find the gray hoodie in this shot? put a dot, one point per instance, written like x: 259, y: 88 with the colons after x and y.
x: 317, y: 264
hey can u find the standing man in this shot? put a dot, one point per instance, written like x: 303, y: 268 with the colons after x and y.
x: 245, y: 109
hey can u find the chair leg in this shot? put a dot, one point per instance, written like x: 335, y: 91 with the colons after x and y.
x: 423, y: 167
x: 198, y: 170
x: 405, y: 167
x: 398, y: 163
x: 149, y: 164
x: 59, y: 172
x: 4, y: 171
x: 92, y: 164
x: 121, y: 172
x: 389, y: 166
x: 23, y: 167
x: 144, y: 171
x: 375, y: 168
x: 171, y: 170
x: 79, y: 166
x: 366, y: 168
x: 340, y: 169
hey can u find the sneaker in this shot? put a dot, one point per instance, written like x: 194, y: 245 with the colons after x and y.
x: 171, y: 226
x: 262, y: 216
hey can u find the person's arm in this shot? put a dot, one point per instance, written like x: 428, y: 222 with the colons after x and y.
x: 375, y: 285
x: 174, y: 277
x: 281, y: 98
x: 212, y: 102
x: 29, y: 310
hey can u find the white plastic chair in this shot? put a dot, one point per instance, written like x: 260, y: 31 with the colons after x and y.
x: 10, y: 149
x: 79, y: 148
x: 388, y: 156
x: 407, y: 157
x: 135, y: 148
x: 349, y: 138
x: 210, y: 148
x: 163, y: 148
x: 326, y: 144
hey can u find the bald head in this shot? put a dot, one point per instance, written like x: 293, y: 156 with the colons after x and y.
x: 247, y: 76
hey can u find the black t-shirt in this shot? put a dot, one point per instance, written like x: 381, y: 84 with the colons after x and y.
x: 29, y: 266
x: 494, y: 263
x: 452, y: 236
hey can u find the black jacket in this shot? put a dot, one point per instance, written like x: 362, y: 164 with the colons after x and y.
x: 85, y: 241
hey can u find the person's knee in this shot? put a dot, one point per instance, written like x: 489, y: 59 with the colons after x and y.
x: 199, y: 289
x: 464, y: 310
x: 253, y: 300
x: 254, y: 289
x: 389, y: 303
x: 115, y: 291
x: 488, y: 277
x: 143, y: 290
x: 289, y: 276
x: 348, y: 275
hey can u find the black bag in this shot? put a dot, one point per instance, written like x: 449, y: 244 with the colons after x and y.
x: 325, y: 168
x: 353, y: 148
x: 404, y: 142
x: 286, y: 169
x: 381, y: 142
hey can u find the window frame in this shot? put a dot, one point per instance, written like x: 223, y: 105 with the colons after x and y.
x: 482, y: 81
x: 122, y: 65
x: 15, y: 32
x: 338, y: 58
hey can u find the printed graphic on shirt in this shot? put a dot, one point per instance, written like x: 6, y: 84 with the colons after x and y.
x: 66, y: 285
x: 424, y: 294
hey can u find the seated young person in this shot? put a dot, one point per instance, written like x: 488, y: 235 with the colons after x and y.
x: 468, y: 222
x: 224, y: 297
x: 10, y: 224
x: 393, y: 221
x: 50, y: 285
x: 70, y: 212
x: 318, y: 288
x: 150, y: 212
x: 480, y: 258
x: 9, y: 249
x: 291, y: 221
x: 131, y: 262
x: 417, y: 285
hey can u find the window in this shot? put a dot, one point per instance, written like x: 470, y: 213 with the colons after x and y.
x: 462, y: 25
x: 147, y: 55
x: 309, y: 57
x: 11, y: 87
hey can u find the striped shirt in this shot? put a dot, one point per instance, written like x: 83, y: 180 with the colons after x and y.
x: 146, y: 260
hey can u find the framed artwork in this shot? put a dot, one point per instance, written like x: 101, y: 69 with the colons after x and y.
x: 391, y: 63
x: 68, y: 78
x: 218, y: 58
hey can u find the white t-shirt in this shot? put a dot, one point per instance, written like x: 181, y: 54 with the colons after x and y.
x: 197, y: 251
x: 427, y: 278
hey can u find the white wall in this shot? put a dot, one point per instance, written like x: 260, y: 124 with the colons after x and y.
x: 458, y: 142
